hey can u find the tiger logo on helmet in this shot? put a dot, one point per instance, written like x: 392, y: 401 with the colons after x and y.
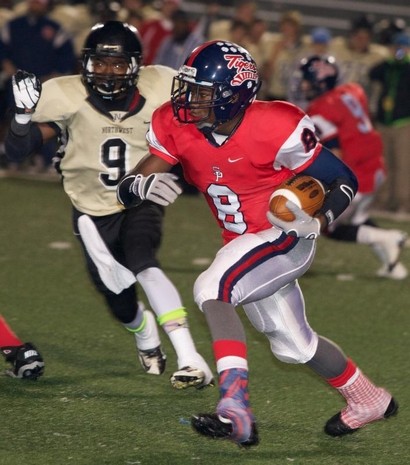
x: 226, y: 68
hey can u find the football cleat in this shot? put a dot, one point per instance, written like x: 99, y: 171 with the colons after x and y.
x: 189, y: 377
x: 215, y: 426
x: 336, y: 427
x: 232, y: 420
x: 153, y: 361
x: 395, y: 271
x: 150, y: 354
x: 26, y: 360
x: 393, y: 243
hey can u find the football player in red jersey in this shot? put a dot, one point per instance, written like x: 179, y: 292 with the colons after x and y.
x: 236, y: 150
x: 341, y: 117
x: 104, y: 112
x: 25, y: 359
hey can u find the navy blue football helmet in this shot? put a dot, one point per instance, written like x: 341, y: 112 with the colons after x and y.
x: 225, y: 68
x: 321, y: 72
x: 111, y: 39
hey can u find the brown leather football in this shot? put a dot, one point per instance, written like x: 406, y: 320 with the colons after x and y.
x: 306, y: 192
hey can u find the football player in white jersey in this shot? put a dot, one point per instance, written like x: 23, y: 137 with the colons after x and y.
x: 103, y: 114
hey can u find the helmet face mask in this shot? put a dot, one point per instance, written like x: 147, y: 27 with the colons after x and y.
x: 318, y: 75
x: 218, y: 81
x: 111, y: 59
x: 194, y: 103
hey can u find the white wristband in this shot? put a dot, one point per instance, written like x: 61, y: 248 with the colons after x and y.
x: 23, y: 118
x: 135, y: 185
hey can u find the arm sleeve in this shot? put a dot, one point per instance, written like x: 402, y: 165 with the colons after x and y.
x: 23, y: 139
x: 338, y: 179
x: 125, y: 193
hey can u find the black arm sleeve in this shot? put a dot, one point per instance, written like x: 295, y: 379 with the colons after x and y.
x: 22, y: 140
x: 125, y: 194
x: 338, y: 179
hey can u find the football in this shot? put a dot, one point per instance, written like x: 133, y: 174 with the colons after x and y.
x: 306, y: 192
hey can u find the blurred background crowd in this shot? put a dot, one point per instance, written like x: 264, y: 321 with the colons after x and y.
x: 46, y: 37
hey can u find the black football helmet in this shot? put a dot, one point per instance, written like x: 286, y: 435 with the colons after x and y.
x: 321, y: 72
x: 111, y: 39
x: 226, y: 68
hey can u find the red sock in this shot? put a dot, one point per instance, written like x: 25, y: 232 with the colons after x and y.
x: 7, y: 337
x: 230, y: 354
x: 342, y: 379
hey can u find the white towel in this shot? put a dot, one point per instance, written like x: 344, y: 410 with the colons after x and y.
x: 114, y: 275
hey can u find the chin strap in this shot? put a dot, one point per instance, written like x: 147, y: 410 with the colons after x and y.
x: 207, y: 130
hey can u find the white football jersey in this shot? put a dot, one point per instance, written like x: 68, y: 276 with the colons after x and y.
x: 101, y: 147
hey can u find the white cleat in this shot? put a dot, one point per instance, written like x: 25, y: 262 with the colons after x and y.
x: 190, y: 377
x: 150, y: 354
x: 398, y: 271
x: 153, y: 361
x: 392, y: 246
x: 195, y: 372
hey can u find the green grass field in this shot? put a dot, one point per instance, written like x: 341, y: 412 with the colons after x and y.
x: 94, y: 406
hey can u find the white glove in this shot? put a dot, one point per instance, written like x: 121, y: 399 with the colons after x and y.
x: 160, y: 188
x: 303, y: 225
x: 26, y: 91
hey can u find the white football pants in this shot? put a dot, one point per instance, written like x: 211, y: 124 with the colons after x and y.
x: 260, y: 272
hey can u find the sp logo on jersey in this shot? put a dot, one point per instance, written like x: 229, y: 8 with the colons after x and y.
x: 217, y: 173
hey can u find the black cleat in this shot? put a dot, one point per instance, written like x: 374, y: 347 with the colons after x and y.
x: 210, y: 425
x: 26, y: 360
x: 336, y: 427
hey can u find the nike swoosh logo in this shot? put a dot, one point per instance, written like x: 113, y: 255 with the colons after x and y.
x: 234, y: 160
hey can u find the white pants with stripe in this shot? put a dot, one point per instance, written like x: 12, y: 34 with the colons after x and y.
x: 260, y: 272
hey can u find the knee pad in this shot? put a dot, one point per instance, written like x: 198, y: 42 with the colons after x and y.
x: 281, y: 317
x: 293, y: 351
x: 204, y: 288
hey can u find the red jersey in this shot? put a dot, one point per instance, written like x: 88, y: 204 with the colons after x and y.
x: 343, y: 113
x: 153, y: 32
x: 274, y: 141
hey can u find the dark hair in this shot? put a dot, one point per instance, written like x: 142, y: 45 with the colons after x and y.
x: 386, y: 29
x: 362, y: 22
x: 180, y: 15
x: 238, y: 24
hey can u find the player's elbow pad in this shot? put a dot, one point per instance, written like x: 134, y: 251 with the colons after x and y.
x: 339, y: 196
x: 22, y: 140
x: 125, y: 192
